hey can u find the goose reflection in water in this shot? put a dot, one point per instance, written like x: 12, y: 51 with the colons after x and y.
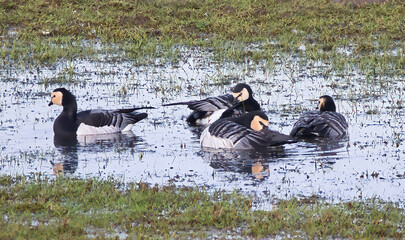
x: 253, y: 163
x: 330, y: 146
x: 69, y: 160
x: 69, y: 146
x: 328, y: 151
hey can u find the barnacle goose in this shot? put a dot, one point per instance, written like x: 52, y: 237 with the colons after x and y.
x: 207, y: 111
x: 89, y: 122
x: 249, y: 131
x: 324, y: 122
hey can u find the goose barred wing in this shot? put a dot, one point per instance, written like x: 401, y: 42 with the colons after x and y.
x: 210, y: 104
x: 242, y: 137
x: 325, y: 124
x: 116, y: 118
x: 213, y: 103
x: 337, y: 124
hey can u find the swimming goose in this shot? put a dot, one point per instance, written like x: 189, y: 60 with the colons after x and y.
x: 90, y: 122
x: 324, y: 122
x: 249, y: 131
x: 207, y: 111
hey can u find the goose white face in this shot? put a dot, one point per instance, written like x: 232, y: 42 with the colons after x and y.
x: 321, y: 103
x: 242, y: 95
x: 57, y: 98
x: 258, y: 123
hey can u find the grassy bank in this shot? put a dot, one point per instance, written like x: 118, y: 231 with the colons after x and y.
x: 48, y: 30
x: 67, y: 208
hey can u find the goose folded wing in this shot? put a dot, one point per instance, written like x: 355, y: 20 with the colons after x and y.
x: 210, y: 104
x: 239, y: 135
x: 328, y: 123
x: 320, y: 124
x: 100, y: 118
x: 213, y: 103
x: 334, y: 125
x: 130, y: 110
x: 307, y: 122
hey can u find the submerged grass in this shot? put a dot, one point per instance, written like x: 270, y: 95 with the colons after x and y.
x: 67, y: 208
x: 47, y: 30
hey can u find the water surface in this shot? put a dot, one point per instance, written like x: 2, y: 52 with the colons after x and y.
x: 164, y: 149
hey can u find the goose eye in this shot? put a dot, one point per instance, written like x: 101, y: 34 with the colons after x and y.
x: 53, y: 96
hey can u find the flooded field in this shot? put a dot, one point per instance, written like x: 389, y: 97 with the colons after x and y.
x: 164, y: 149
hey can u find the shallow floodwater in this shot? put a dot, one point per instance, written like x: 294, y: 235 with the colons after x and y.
x: 163, y: 149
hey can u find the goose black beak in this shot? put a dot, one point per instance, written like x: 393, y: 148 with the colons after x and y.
x: 236, y: 98
x: 236, y: 105
x: 50, y: 103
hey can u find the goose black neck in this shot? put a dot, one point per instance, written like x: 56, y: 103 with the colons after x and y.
x: 250, y: 105
x: 70, y: 110
x: 69, y: 105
